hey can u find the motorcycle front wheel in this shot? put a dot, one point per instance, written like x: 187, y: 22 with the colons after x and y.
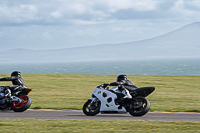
x: 23, y: 105
x: 139, y: 106
x: 91, y: 109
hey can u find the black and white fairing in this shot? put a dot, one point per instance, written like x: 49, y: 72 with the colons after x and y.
x: 108, y: 99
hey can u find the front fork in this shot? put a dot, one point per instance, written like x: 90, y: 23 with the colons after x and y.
x: 94, y: 102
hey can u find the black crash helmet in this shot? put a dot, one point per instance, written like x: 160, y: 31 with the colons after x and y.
x: 16, y: 74
x: 121, y: 77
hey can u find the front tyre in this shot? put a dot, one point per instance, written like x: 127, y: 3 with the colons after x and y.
x: 22, y: 106
x: 139, y: 106
x: 91, y: 108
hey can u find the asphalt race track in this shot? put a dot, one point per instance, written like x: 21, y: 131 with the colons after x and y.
x: 66, y: 114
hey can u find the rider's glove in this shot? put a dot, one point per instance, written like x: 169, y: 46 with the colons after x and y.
x: 104, y: 85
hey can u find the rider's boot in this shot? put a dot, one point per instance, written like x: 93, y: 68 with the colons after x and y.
x: 8, y: 94
x: 127, y: 94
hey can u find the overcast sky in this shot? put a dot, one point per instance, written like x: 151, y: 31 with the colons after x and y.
x: 55, y: 24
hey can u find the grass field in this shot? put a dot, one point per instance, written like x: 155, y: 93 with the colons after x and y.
x: 65, y: 91
x: 173, y: 93
x: 91, y: 126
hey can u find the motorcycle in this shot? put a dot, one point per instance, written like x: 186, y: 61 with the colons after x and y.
x: 110, y: 100
x: 18, y: 101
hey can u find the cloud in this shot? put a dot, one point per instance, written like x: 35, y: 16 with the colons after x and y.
x: 18, y: 14
x: 76, y: 12
x: 89, y: 22
x: 195, y: 4
x: 56, y: 14
x: 47, y: 35
x: 185, y: 10
x: 65, y: 12
x: 138, y: 5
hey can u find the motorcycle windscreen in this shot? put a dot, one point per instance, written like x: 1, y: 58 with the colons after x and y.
x: 144, y: 91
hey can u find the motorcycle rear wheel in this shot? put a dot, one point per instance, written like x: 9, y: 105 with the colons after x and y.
x: 139, y: 107
x: 91, y: 109
x: 24, y: 105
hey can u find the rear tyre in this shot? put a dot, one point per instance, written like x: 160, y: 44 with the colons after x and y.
x: 24, y: 105
x: 91, y: 109
x: 139, y: 106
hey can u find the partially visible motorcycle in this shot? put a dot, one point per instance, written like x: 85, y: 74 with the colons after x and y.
x: 110, y: 100
x: 18, y: 100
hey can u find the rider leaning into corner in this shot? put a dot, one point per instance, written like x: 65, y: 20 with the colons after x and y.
x: 124, y: 85
x: 17, y: 81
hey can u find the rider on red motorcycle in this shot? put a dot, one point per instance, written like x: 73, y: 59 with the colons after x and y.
x: 17, y: 81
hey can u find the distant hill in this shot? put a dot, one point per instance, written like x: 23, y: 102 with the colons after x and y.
x: 181, y: 43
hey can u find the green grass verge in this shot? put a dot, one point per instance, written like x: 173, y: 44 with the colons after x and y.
x: 100, y: 126
x: 174, y: 93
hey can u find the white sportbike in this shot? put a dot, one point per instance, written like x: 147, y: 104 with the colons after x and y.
x: 110, y: 100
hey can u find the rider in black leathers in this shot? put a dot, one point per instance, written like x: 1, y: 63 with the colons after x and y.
x: 17, y: 81
x: 124, y: 85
